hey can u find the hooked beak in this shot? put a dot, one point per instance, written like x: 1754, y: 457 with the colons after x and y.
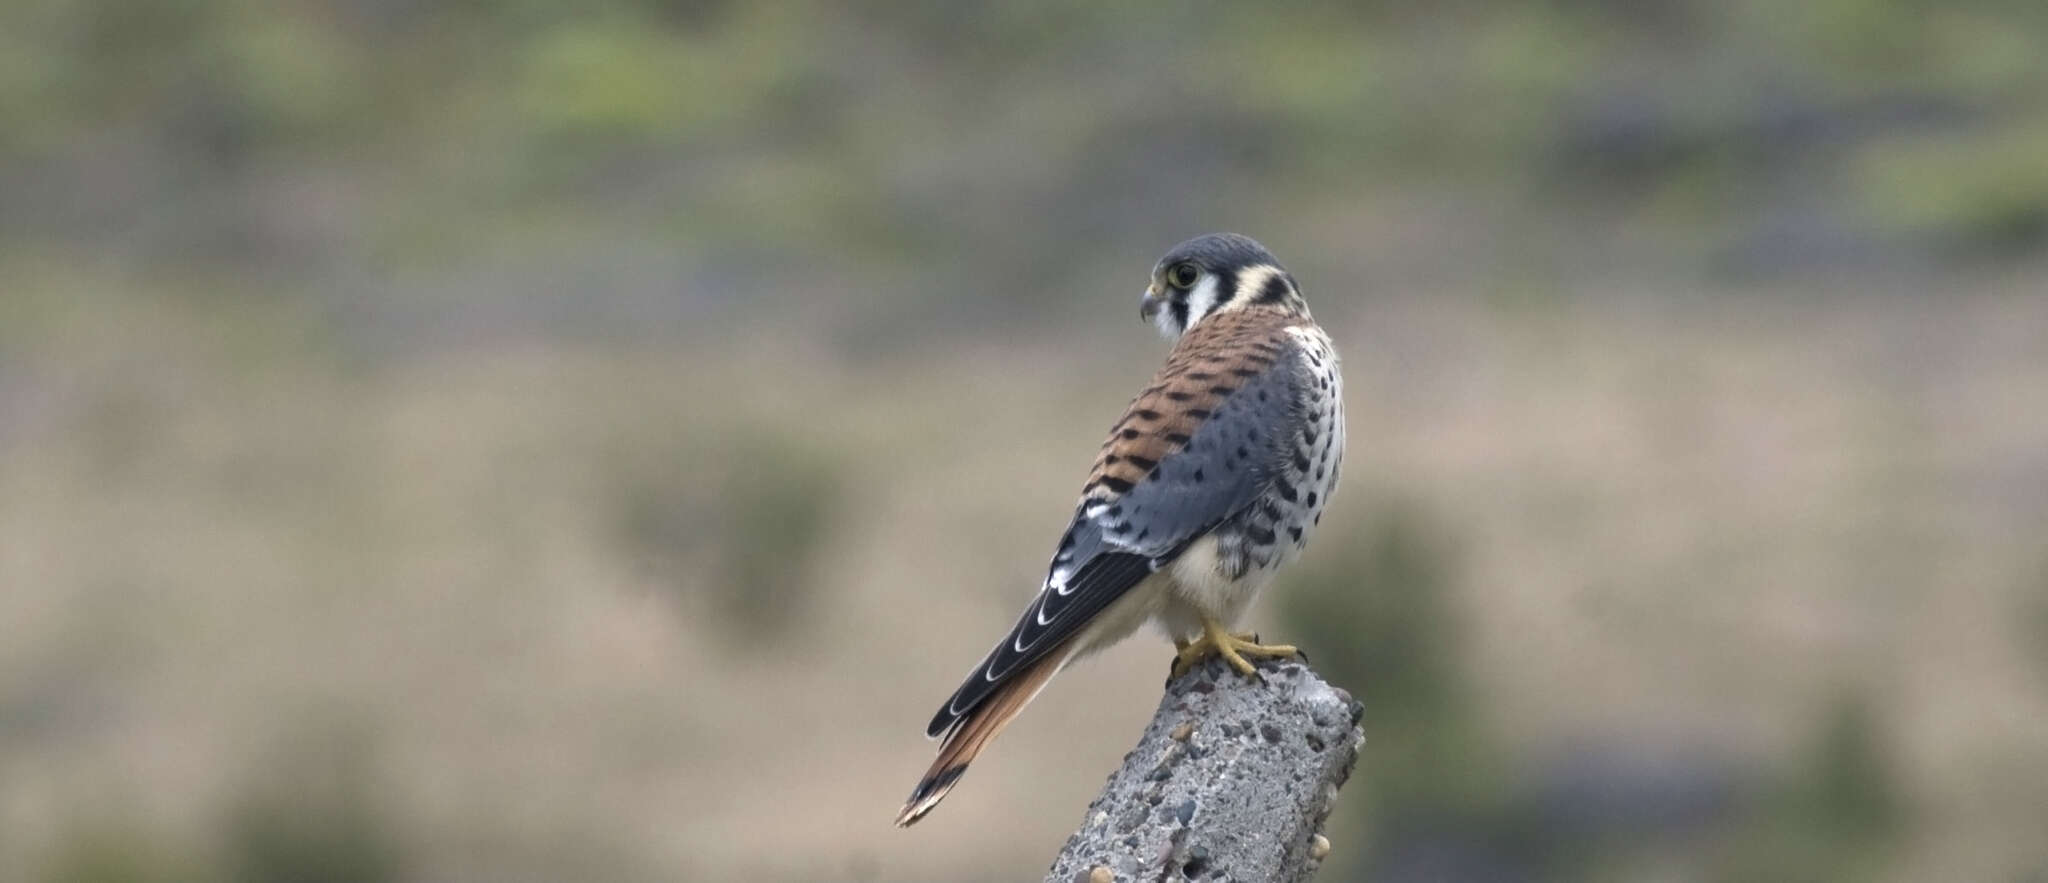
x: 1148, y: 306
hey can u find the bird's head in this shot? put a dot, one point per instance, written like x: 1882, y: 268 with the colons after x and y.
x: 1211, y: 274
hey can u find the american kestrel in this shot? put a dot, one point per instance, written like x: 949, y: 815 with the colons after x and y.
x: 1212, y: 480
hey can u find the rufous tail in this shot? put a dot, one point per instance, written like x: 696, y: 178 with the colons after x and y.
x: 966, y: 740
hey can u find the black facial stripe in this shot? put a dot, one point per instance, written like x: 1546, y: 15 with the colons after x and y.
x: 1180, y: 311
x: 1275, y: 289
x: 1226, y: 289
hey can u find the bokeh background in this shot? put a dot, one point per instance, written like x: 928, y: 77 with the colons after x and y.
x: 510, y: 441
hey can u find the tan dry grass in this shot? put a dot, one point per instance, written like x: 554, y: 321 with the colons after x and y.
x: 1689, y: 520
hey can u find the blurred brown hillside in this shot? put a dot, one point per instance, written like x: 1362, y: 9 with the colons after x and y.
x: 499, y: 441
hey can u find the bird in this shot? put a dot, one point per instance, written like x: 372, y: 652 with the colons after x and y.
x: 1212, y: 480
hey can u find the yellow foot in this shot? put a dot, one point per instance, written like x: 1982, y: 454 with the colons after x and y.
x: 1232, y: 647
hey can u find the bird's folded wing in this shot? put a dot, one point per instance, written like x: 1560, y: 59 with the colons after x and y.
x: 1225, y: 446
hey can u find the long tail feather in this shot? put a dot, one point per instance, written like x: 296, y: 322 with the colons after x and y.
x: 975, y: 730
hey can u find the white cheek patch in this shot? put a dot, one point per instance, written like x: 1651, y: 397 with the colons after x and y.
x: 1202, y: 299
x: 1163, y: 320
x: 1252, y: 280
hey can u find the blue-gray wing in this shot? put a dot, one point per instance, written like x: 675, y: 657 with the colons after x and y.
x: 1197, y: 447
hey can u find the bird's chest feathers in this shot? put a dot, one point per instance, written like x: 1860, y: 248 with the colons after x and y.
x: 1205, y: 577
x: 1236, y: 559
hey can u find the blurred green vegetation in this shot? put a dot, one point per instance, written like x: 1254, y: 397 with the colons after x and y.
x: 109, y: 852
x: 308, y: 814
x: 1379, y: 617
x: 1442, y: 800
x: 2032, y: 622
x: 786, y: 145
x: 1837, y: 815
x: 312, y: 815
x: 747, y: 538
x: 248, y: 251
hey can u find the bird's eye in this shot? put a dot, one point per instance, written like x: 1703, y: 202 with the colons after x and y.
x: 1183, y: 275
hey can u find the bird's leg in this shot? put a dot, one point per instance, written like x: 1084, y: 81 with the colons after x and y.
x: 1180, y: 658
x: 1233, y: 648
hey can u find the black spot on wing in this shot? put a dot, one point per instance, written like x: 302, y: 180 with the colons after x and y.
x: 1234, y: 459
